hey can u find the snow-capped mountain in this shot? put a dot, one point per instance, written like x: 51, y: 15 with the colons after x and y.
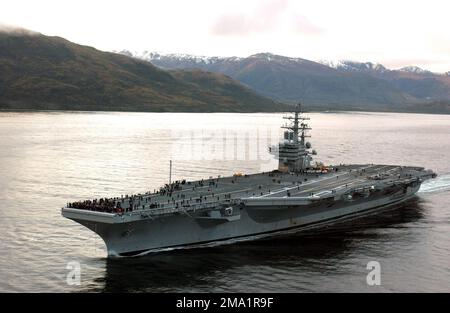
x: 415, y: 70
x: 270, y: 57
x: 179, y: 57
x: 344, y: 65
x: 153, y: 56
x: 289, y: 78
x: 347, y: 65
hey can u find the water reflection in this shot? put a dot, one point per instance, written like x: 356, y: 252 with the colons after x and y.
x: 206, y: 268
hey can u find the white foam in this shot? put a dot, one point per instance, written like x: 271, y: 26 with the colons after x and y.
x: 439, y: 184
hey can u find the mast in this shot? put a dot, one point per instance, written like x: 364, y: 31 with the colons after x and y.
x: 170, y: 172
x: 294, y: 154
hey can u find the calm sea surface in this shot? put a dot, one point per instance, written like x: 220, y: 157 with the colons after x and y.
x: 48, y: 159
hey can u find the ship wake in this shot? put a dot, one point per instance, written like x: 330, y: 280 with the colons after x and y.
x: 439, y: 184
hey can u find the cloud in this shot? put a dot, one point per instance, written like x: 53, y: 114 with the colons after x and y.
x: 9, y: 29
x: 439, y: 43
x: 301, y: 25
x: 264, y: 18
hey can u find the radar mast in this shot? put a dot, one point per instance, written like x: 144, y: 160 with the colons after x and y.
x: 294, y: 151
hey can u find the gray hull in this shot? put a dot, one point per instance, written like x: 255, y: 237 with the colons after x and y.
x: 182, y: 230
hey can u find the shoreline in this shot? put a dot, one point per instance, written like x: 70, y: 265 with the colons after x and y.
x: 314, y: 110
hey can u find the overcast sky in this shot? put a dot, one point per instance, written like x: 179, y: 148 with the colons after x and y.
x: 395, y: 33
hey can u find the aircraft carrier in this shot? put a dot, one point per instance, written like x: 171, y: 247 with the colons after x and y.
x: 298, y: 195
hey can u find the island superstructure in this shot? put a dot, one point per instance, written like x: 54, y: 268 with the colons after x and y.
x: 298, y: 195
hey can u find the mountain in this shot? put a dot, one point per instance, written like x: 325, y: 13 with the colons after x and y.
x: 415, y: 81
x: 351, y: 66
x: 415, y: 70
x: 41, y: 72
x: 335, y: 85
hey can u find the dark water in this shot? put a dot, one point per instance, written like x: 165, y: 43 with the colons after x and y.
x: 47, y: 159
